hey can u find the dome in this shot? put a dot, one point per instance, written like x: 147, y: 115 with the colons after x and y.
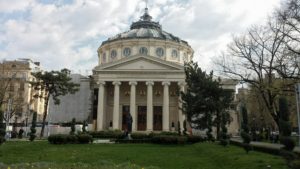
x: 145, y: 28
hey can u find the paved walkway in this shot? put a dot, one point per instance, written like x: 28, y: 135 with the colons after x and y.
x: 265, y: 144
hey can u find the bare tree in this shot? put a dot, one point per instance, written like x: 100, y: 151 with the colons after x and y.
x: 257, y: 57
x: 8, y: 93
x: 289, y: 17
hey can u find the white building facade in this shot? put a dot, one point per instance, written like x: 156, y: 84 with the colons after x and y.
x: 140, y: 72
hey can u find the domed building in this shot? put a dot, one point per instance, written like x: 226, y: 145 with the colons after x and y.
x: 140, y: 72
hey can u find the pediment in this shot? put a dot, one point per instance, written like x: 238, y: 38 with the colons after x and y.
x: 142, y: 63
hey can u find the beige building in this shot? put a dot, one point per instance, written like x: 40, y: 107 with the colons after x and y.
x: 14, y: 86
x: 141, y: 72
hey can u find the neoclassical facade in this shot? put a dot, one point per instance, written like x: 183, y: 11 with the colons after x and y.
x: 140, y: 72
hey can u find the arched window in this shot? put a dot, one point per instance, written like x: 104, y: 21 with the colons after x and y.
x: 126, y: 52
x: 160, y: 52
x: 113, y: 54
x: 103, y: 57
x: 143, y: 51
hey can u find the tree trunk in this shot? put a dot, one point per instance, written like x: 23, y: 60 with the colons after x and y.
x: 218, y: 121
x: 45, y: 115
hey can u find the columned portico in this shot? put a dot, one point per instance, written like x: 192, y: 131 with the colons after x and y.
x: 150, y: 105
x: 100, y: 108
x: 166, y: 113
x: 133, y: 103
x: 116, y: 110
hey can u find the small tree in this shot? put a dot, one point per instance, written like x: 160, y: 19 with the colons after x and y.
x: 285, y: 125
x: 245, y: 130
x: 55, y: 84
x: 2, y: 128
x: 33, y: 125
x: 73, y: 123
x: 224, y: 138
x: 84, y: 124
x: 184, y: 128
x: 199, y: 101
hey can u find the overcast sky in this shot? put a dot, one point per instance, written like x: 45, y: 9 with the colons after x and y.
x: 67, y: 33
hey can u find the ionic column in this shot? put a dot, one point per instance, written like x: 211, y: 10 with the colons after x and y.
x: 150, y: 105
x: 133, y: 103
x: 166, y: 121
x: 116, y: 105
x: 181, y: 117
x: 100, y: 108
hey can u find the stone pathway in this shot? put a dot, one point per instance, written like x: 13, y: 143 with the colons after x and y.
x: 267, y: 145
x: 102, y: 141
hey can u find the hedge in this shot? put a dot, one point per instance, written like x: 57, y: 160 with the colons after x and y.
x: 169, y: 139
x: 70, y: 139
x: 106, y: 134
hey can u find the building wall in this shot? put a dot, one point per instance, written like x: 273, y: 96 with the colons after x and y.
x: 76, y: 105
x: 16, y: 75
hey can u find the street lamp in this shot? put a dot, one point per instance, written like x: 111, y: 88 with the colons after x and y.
x: 297, y: 87
x: 8, y: 116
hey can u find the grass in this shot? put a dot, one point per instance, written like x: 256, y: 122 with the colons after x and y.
x: 40, y: 154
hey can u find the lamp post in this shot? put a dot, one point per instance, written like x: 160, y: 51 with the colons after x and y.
x: 297, y: 87
x: 8, y: 117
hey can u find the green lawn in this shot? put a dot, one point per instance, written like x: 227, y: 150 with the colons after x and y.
x: 40, y: 154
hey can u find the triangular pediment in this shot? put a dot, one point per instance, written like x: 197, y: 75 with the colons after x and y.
x: 141, y: 63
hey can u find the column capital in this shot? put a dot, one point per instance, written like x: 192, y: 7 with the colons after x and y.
x: 133, y: 83
x: 116, y: 83
x: 166, y: 83
x: 101, y: 83
x: 149, y: 83
x: 181, y: 83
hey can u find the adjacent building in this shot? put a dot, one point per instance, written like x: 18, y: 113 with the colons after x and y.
x: 17, y: 96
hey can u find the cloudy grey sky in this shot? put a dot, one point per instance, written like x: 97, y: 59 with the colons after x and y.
x: 67, y: 33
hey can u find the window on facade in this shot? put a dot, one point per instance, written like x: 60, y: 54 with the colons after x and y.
x: 174, y: 54
x: 126, y: 52
x: 185, y: 57
x: 11, y: 88
x: 113, y: 54
x: 22, y: 86
x: 160, y: 52
x: 143, y: 51
x: 104, y: 57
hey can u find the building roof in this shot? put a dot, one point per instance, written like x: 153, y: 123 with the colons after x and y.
x: 145, y: 28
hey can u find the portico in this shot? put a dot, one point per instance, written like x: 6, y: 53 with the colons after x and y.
x: 140, y: 72
x: 149, y: 104
x: 144, y: 86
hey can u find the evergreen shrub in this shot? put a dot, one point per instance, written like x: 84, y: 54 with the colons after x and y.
x: 107, y: 134
x: 70, y: 139
x: 288, y: 143
x: 194, y: 139
x: 84, y: 138
x: 20, y: 134
x: 168, y: 139
x: 295, y: 164
x: 140, y: 136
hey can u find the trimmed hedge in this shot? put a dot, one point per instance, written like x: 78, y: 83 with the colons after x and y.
x: 84, y: 138
x: 139, y: 136
x: 134, y: 141
x: 169, y: 139
x: 288, y: 143
x: 70, y: 139
x: 195, y: 139
x: 107, y: 134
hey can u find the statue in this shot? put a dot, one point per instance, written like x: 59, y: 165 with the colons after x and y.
x: 129, y: 122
